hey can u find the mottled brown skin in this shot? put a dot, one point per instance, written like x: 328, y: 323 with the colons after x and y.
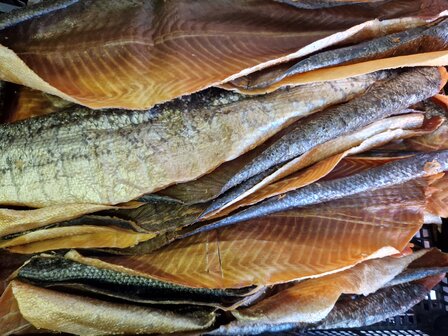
x: 113, y: 156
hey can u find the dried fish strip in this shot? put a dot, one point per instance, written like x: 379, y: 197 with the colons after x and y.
x: 113, y: 156
x: 379, y: 102
x: 393, y: 173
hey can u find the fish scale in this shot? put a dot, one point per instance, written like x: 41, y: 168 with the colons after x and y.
x: 420, y: 39
x: 113, y: 156
x: 381, y: 101
x: 389, y: 174
x: 51, y: 271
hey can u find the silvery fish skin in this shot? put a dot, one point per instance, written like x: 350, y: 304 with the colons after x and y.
x: 45, y: 7
x: 413, y: 274
x: 389, y: 174
x: 420, y: 39
x: 111, y: 156
x: 430, y: 109
x: 380, y: 101
x: 58, y: 271
x: 347, y: 313
x: 376, y: 307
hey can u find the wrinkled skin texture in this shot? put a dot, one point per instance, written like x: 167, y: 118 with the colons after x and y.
x: 135, y: 53
x: 113, y: 156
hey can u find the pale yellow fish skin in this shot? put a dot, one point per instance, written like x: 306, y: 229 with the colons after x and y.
x: 13, y: 220
x: 113, y: 156
x: 79, y: 315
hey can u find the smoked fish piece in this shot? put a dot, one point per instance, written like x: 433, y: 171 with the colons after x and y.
x: 387, y: 175
x: 114, y: 156
x: 21, y: 15
x: 14, y: 221
x: 59, y: 272
x: 83, y: 236
x: 323, y: 158
x: 76, y: 314
x: 286, y: 246
x: 381, y: 101
x: 350, y: 313
x: 134, y: 54
x: 424, y: 39
x: 385, y: 303
x: 11, y: 320
x: 320, y: 303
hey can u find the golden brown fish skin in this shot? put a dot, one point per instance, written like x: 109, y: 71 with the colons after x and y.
x: 113, y: 156
x: 389, y: 174
x: 165, y: 49
x: 379, y: 102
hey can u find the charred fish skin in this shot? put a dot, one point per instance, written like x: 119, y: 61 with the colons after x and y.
x: 20, y: 15
x: 389, y: 174
x: 112, y: 156
x: 50, y: 271
x: 420, y: 39
x: 379, y: 102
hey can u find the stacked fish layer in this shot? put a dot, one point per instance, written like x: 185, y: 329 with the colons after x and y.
x: 225, y: 167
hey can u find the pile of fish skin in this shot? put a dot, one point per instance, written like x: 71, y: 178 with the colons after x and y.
x: 228, y: 167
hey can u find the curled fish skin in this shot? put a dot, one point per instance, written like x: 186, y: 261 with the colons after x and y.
x: 113, y: 156
x: 420, y: 39
x: 389, y: 174
x: 379, y: 102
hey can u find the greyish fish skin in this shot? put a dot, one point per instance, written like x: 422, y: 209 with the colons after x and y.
x: 420, y: 39
x: 376, y: 307
x: 58, y: 271
x: 317, y: 4
x: 389, y: 174
x: 379, y: 102
x: 412, y: 274
x: 20, y: 15
x: 113, y: 156
x: 347, y: 313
